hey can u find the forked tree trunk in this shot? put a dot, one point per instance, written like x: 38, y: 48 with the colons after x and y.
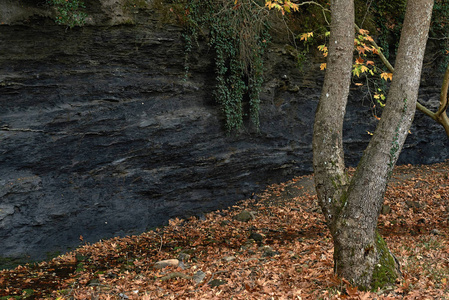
x: 352, y: 208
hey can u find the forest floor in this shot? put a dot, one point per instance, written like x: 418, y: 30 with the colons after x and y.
x: 273, y: 247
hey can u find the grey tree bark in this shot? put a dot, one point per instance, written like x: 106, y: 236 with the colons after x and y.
x: 351, y: 206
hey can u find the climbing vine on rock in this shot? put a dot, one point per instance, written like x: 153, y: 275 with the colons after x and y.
x: 237, y: 31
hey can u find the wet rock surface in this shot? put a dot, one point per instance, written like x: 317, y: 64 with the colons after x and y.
x: 101, y: 135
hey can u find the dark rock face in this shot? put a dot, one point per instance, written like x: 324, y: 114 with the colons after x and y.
x: 100, y: 135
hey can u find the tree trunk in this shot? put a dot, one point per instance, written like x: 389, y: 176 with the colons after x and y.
x: 328, y: 156
x: 351, y: 212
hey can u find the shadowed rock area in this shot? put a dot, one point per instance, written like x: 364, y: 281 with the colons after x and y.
x: 102, y: 135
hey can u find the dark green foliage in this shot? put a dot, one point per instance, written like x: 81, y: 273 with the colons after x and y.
x: 69, y: 12
x: 440, y: 20
x: 389, y: 15
x: 238, y: 35
x: 440, y: 29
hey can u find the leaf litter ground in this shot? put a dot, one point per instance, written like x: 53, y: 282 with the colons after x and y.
x: 282, y: 250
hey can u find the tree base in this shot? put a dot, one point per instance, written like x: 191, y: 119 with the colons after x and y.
x: 388, y: 269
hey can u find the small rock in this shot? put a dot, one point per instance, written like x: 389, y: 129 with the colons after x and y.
x: 257, y: 237
x: 413, y: 204
x: 183, y: 256
x: 201, y: 217
x: 293, y: 255
x: 182, y: 265
x: 435, y: 232
x: 268, y: 251
x: 166, y: 263
x: 199, y: 276
x: 217, y: 282
x: 224, y: 223
x: 111, y: 275
x: 244, y: 216
x: 229, y: 258
x: 93, y: 282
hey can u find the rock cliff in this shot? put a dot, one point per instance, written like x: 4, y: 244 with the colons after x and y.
x: 101, y: 135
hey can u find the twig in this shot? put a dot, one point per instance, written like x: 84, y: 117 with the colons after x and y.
x: 160, y: 248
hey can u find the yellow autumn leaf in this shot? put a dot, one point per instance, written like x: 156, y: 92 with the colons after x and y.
x: 356, y: 70
x: 322, y: 48
x: 323, y: 66
x: 369, y: 38
x: 369, y: 49
x: 359, y: 60
x: 273, y: 4
x: 363, y: 31
x: 361, y: 50
x: 386, y: 76
x: 294, y: 6
x: 306, y: 35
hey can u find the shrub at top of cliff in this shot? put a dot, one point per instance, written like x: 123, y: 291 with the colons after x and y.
x: 69, y: 12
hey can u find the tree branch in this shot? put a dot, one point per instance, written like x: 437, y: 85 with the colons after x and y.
x: 440, y: 116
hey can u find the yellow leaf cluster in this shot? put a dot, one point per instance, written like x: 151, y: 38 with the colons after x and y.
x: 282, y: 5
x: 306, y: 35
x: 362, y: 46
x: 323, y: 49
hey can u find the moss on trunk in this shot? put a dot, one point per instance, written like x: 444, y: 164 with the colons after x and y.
x: 386, y: 270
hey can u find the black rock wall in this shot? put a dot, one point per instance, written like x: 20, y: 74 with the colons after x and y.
x: 101, y: 135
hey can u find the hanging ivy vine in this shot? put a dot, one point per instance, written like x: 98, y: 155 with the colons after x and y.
x: 238, y: 33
